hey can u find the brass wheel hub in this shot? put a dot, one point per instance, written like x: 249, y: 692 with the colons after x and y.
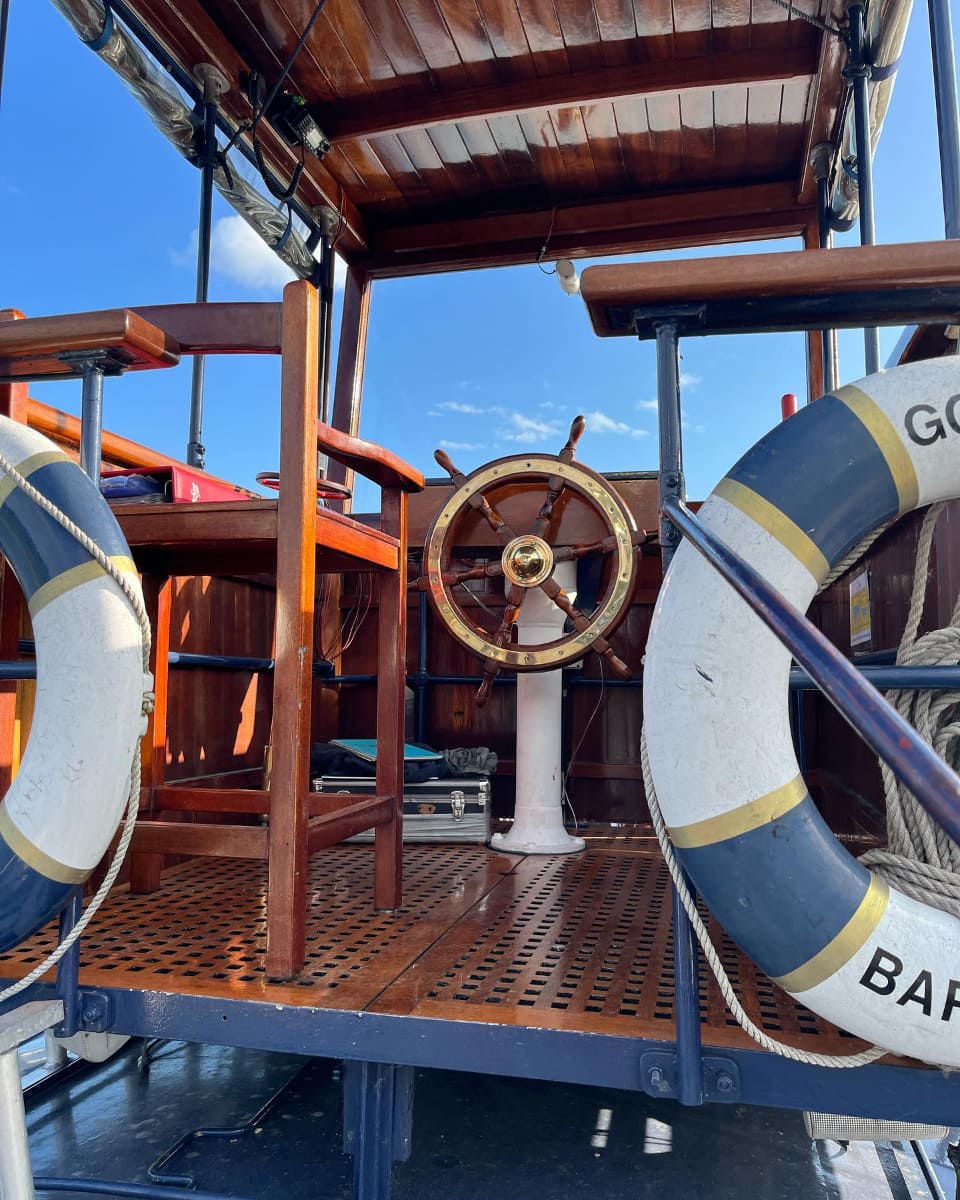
x: 527, y: 561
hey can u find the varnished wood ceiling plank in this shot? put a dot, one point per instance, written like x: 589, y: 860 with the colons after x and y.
x: 575, y: 150
x: 508, y: 39
x: 730, y: 21
x: 394, y: 34
x: 544, y: 36
x: 655, y: 25
x: 432, y: 36
x: 465, y: 25
x: 698, y: 133
x: 692, y: 23
x: 617, y: 25
x: 581, y: 34
x: 603, y: 137
x: 361, y: 120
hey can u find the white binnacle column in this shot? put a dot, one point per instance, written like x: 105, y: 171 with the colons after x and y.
x: 538, y: 817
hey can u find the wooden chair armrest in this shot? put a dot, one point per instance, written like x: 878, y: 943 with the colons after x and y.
x: 368, y: 459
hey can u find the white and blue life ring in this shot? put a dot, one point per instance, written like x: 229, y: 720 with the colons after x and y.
x: 65, y: 803
x: 827, y: 930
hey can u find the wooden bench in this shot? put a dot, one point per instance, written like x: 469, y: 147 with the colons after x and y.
x: 291, y: 540
x: 802, y: 289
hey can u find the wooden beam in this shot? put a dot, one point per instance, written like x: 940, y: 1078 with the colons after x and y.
x: 351, y: 358
x: 656, y: 221
x: 378, y: 116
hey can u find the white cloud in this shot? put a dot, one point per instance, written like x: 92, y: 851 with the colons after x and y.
x: 528, y: 430
x: 599, y: 422
x: 461, y: 445
x: 651, y: 405
x: 241, y: 255
x: 459, y: 407
x: 688, y: 380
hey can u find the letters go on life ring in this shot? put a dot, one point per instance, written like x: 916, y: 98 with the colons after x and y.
x: 827, y: 930
x: 64, y: 805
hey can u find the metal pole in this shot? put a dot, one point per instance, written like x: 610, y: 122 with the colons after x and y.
x: 948, y: 124
x: 686, y: 988
x: 4, y: 21
x: 214, y: 85
x: 68, y: 969
x: 16, y: 1173
x: 17, y: 1026
x: 859, y: 71
x: 91, y: 420
x: 327, y: 220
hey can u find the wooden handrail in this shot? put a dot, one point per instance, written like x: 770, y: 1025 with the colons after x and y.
x: 368, y: 459
x: 218, y: 328
x: 850, y: 269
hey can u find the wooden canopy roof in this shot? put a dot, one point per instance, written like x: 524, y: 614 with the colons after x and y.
x: 471, y: 132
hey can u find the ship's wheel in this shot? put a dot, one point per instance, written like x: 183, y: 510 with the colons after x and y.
x: 528, y: 559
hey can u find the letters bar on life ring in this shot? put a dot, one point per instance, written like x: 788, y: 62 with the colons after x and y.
x: 913, y: 762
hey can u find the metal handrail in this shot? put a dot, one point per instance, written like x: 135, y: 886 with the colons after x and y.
x: 935, y: 785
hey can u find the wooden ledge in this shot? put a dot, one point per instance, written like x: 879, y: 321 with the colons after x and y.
x: 39, y: 347
x: 369, y: 459
x: 612, y: 293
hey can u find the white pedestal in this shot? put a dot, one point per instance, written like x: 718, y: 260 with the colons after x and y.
x: 538, y: 817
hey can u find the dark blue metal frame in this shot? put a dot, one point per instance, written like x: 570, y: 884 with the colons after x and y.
x: 601, y: 1060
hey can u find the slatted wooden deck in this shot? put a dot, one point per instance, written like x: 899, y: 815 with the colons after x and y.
x: 576, y: 943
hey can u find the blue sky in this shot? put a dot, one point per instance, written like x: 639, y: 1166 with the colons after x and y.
x: 97, y: 211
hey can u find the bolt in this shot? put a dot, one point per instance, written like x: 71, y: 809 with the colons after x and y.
x: 658, y: 1080
x: 725, y: 1082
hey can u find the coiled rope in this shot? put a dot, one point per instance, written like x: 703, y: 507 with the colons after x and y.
x: 921, y: 860
x: 133, y: 800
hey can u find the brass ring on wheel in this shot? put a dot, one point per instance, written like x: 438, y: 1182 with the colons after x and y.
x: 581, y: 479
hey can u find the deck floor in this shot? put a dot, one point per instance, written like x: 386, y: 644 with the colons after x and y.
x: 578, y: 942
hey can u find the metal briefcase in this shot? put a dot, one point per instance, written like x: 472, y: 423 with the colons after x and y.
x: 438, y: 810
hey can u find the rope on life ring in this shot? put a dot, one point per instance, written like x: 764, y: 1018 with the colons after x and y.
x: 93, y: 687
x: 828, y: 930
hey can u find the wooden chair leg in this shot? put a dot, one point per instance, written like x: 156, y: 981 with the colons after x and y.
x: 145, y: 869
x: 293, y: 673
x: 391, y: 681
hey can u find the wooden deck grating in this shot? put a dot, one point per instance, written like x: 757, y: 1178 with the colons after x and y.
x: 576, y: 942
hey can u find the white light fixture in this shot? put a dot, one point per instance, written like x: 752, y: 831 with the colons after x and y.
x: 568, y: 277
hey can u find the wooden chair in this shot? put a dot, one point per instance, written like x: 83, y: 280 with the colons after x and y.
x: 293, y: 540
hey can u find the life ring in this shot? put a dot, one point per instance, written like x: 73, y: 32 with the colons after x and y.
x: 62, y: 809
x: 822, y: 926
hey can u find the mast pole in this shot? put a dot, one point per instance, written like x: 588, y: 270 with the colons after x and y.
x: 214, y: 86
x: 948, y: 124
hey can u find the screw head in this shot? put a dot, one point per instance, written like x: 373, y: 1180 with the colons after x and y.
x: 725, y: 1082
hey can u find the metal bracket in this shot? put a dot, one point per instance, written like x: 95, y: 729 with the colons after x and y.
x: 659, y: 1077
x: 96, y: 1011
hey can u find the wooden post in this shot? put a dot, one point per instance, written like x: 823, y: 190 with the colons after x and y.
x: 14, y: 400
x: 815, y: 385
x: 391, y: 681
x: 146, y: 868
x: 293, y: 674
x: 351, y: 357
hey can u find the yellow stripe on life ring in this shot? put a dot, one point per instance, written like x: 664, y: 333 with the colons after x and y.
x: 27, y: 467
x: 743, y: 819
x: 777, y: 524
x: 838, y: 952
x: 888, y: 441
x: 34, y: 857
x: 67, y: 580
